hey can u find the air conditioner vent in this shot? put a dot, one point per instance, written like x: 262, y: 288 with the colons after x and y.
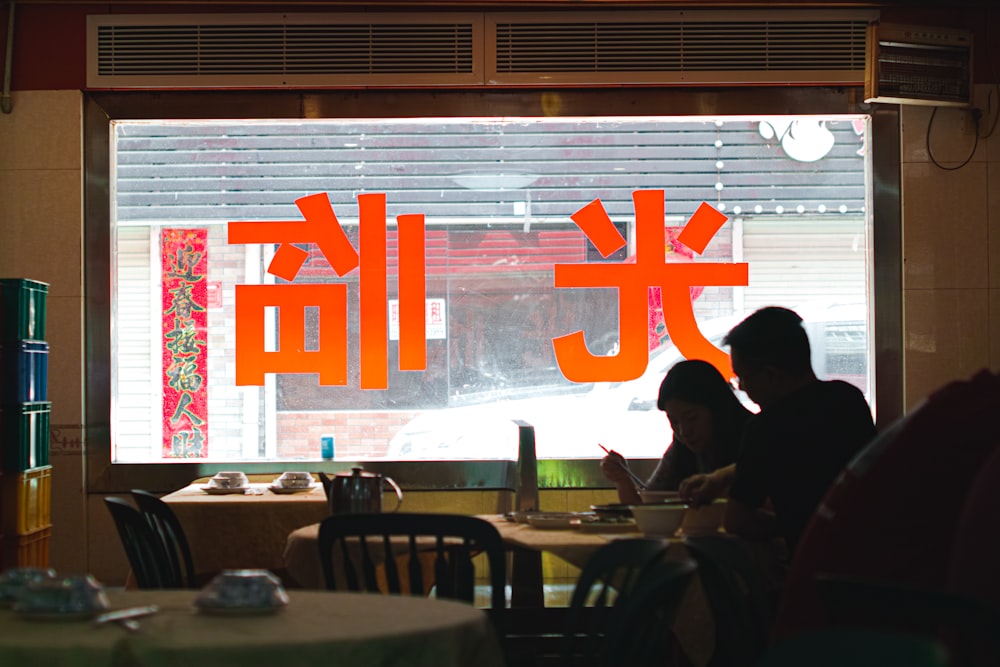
x: 665, y: 47
x: 477, y: 49
x: 209, y: 50
x: 622, y: 47
x: 284, y: 49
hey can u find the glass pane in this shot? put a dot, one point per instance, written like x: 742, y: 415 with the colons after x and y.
x: 498, y: 196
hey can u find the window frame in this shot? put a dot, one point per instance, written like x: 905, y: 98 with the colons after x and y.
x: 100, y: 107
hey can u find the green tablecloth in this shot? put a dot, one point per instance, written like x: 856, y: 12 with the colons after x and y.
x: 316, y: 628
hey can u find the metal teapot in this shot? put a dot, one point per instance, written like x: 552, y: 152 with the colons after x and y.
x: 359, y: 492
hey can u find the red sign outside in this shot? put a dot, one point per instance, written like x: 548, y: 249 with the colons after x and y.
x: 185, y: 342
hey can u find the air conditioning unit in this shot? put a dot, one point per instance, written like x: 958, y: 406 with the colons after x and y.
x: 909, y: 64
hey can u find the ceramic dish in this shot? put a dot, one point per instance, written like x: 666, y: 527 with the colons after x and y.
x: 65, y: 599
x: 242, y: 592
x: 612, y: 511
x: 15, y: 579
x: 275, y: 488
x: 216, y: 491
x: 228, y: 610
x: 551, y: 521
x: 602, y: 526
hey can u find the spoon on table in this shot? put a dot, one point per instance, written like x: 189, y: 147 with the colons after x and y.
x: 635, y: 478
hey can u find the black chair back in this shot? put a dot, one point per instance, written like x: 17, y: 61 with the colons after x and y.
x: 409, y: 553
x: 143, y: 548
x: 640, y: 632
x: 168, y: 528
x: 741, y: 606
x: 606, y: 581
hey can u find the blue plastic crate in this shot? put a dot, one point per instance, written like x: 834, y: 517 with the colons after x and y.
x: 24, y: 371
x: 24, y: 436
x: 22, y: 309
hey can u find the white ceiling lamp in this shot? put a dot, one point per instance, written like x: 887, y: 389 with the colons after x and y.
x: 802, y: 139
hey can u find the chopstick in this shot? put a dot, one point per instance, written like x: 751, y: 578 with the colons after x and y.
x: 635, y: 478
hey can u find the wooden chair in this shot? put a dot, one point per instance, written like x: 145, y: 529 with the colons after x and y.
x: 169, y: 530
x: 386, y: 553
x: 143, y: 548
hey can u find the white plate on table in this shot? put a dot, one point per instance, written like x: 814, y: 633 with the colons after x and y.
x: 600, y: 526
x: 58, y: 615
x: 552, y: 520
x: 243, y: 610
x: 219, y: 491
x: 274, y: 488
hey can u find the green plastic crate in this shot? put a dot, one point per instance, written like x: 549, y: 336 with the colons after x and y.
x: 22, y: 309
x: 24, y: 435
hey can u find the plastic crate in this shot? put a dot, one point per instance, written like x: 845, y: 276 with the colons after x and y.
x: 22, y: 309
x: 31, y: 550
x: 24, y: 371
x: 24, y: 436
x: 26, y: 501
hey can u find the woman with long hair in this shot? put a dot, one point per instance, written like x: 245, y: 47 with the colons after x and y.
x: 707, y: 420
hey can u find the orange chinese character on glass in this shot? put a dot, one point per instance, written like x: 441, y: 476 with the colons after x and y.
x: 634, y: 281
x: 329, y: 360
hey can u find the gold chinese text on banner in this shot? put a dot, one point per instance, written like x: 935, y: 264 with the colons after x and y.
x: 185, y: 342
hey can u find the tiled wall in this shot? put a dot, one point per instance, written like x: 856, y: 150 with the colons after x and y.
x: 951, y: 246
x: 951, y: 276
x: 41, y: 237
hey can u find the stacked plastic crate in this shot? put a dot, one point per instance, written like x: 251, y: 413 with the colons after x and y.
x: 25, y: 473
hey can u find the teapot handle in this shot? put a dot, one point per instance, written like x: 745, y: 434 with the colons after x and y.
x: 399, y: 493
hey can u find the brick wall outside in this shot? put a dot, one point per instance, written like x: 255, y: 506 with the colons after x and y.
x: 361, y: 434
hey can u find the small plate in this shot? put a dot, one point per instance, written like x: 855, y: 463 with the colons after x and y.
x: 613, y: 510
x: 222, y: 610
x: 274, y: 488
x: 551, y: 521
x: 58, y: 615
x: 216, y: 491
x: 608, y: 527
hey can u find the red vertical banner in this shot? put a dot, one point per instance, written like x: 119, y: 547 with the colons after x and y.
x: 185, y: 342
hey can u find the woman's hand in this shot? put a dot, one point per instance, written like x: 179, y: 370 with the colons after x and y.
x: 613, y: 468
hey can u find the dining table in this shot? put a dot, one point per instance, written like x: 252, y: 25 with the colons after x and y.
x: 694, y: 627
x: 314, y: 628
x: 243, y: 530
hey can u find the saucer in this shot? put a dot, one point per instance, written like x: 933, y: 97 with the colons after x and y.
x: 274, y: 488
x: 600, y: 526
x: 206, y: 607
x: 58, y: 615
x: 217, y: 491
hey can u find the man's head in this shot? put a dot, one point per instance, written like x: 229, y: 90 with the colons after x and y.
x: 770, y: 354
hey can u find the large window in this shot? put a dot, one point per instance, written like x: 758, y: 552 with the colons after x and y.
x: 497, y: 196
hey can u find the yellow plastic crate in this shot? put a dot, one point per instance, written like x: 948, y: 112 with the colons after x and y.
x: 26, y: 501
x: 31, y: 550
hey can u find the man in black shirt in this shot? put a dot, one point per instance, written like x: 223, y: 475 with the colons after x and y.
x: 806, y: 433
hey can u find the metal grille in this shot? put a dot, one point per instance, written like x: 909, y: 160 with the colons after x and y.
x: 476, y: 49
x: 681, y: 46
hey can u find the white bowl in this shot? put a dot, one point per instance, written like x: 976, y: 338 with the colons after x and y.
x: 658, y: 496
x: 229, y: 480
x: 16, y: 579
x: 704, y: 519
x: 295, y: 480
x: 78, y: 595
x: 662, y: 519
x: 243, y: 589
